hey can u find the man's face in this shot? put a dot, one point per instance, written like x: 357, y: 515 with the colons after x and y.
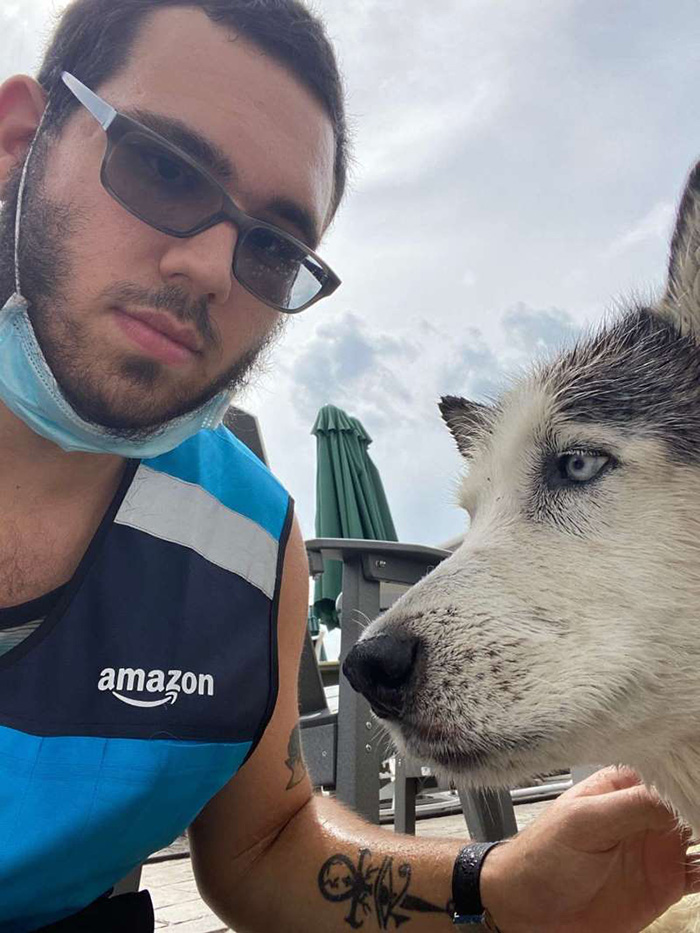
x: 112, y: 270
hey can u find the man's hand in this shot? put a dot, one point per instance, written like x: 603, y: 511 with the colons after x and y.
x: 607, y: 855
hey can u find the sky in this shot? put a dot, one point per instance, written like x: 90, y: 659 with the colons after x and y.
x: 517, y: 166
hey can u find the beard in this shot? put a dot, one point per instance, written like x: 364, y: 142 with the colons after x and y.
x: 121, y: 395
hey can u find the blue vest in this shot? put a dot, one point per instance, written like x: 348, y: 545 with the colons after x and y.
x: 149, y: 684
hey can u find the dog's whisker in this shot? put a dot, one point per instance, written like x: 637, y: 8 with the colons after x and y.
x: 363, y: 621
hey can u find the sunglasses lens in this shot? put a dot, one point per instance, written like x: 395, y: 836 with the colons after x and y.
x: 277, y: 270
x: 163, y: 190
x: 157, y: 186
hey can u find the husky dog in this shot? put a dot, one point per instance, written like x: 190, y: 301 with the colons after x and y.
x: 566, y: 628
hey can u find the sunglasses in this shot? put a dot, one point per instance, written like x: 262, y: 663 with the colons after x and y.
x: 164, y: 187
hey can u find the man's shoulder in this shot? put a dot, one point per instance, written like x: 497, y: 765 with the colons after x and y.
x: 224, y: 468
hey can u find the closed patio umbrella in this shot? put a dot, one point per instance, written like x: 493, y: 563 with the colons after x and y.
x: 350, y: 498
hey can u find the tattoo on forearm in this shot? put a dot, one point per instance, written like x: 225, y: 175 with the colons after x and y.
x: 379, y: 892
x: 295, y: 761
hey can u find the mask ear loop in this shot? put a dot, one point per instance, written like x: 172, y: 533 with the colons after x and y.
x: 18, y: 300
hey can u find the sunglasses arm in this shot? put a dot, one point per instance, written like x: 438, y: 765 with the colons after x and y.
x: 100, y: 109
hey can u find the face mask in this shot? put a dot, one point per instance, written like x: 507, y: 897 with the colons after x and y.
x: 29, y: 389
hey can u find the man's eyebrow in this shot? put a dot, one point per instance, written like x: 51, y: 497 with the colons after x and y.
x: 215, y: 160
x: 198, y: 147
x: 285, y: 209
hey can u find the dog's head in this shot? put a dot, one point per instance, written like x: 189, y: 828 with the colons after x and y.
x: 566, y: 628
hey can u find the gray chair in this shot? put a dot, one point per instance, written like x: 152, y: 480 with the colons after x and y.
x: 247, y: 429
x: 581, y: 772
x: 319, y: 726
x: 359, y: 749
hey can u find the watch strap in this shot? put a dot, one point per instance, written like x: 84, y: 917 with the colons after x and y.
x: 466, y: 896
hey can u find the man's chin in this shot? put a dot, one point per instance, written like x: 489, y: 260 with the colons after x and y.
x: 124, y: 420
x: 134, y: 397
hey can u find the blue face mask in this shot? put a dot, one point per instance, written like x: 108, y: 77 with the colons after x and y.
x: 29, y: 389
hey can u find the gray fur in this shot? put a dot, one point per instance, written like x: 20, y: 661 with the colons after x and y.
x: 640, y: 374
x: 682, y: 299
x: 467, y: 420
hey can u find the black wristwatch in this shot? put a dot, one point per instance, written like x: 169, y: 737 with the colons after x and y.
x: 466, y: 896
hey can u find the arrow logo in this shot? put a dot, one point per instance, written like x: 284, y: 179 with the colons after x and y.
x: 169, y: 697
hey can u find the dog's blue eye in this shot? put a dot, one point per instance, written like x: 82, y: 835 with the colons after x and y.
x: 581, y: 466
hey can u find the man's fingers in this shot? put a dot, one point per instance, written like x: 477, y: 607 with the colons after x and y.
x: 605, y: 820
x: 616, y: 777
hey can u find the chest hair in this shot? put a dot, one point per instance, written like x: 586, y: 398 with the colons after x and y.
x: 40, y: 552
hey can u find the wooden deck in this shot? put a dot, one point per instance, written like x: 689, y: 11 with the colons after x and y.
x: 180, y: 909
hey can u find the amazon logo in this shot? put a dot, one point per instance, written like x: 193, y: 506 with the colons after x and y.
x: 167, y: 685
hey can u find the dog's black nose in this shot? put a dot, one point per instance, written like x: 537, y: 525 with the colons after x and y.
x: 380, y: 668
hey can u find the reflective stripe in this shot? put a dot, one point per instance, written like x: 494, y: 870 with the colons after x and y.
x: 210, y: 458
x: 183, y: 513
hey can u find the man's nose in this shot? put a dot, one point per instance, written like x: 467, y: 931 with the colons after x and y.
x: 204, y: 260
x: 380, y: 668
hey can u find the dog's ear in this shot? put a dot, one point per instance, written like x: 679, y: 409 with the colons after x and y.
x: 465, y: 420
x: 682, y: 298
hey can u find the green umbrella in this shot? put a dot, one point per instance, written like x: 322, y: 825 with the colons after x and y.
x: 350, y: 498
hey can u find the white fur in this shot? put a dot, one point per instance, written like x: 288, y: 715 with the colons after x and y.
x: 684, y: 917
x: 589, y: 641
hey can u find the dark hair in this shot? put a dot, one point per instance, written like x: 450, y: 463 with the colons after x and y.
x: 94, y: 37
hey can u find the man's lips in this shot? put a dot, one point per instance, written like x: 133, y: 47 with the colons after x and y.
x: 159, y: 335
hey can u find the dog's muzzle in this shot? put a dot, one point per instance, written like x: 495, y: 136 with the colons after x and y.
x: 380, y: 669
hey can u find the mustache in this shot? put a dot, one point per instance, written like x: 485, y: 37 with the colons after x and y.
x: 169, y: 298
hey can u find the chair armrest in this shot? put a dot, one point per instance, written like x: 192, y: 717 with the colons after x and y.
x: 382, y: 561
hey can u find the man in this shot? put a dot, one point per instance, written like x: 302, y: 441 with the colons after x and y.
x: 153, y: 582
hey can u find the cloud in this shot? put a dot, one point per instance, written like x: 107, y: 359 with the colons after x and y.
x: 520, y: 155
x: 529, y: 332
x: 392, y: 378
x: 349, y: 363
x: 472, y: 368
x: 656, y: 224
x: 391, y: 381
x: 404, y: 150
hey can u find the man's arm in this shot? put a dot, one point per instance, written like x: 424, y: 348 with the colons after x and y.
x: 269, y: 855
x: 265, y: 850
